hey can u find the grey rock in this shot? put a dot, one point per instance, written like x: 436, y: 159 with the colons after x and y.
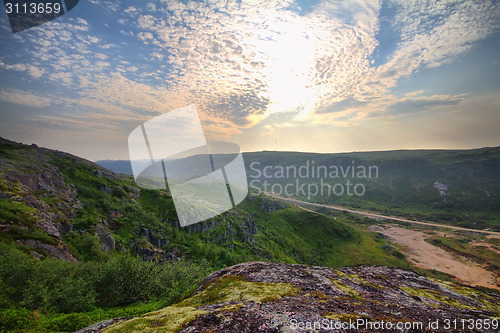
x: 59, y: 252
x: 153, y: 238
x: 313, y: 294
x: 49, y: 227
x: 97, y: 327
x: 64, y: 228
x: 105, y: 237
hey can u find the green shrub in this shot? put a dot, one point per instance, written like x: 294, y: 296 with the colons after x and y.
x: 67, y: 322
x: 14, y: 319
x: 127, y: 280
x: 57, y: 286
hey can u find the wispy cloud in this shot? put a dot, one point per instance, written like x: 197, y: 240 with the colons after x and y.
x: 26, y: 98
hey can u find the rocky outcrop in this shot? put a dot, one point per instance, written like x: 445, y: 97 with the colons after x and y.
x: 52, y: 203
x: 248, y: 229
x: 271, y: 205
x: 60, y: 251
x: 275, y: 297
x: 153, y: 238
x: 105, y: 238
x: 97, y: 327
x: 46, y: 184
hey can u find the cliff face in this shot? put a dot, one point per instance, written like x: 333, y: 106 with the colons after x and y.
x: 35, y: 199
x: 57, y: 205
x: 274, y: 297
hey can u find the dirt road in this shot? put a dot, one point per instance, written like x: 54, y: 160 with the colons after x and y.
x: 378, y: 216
x: 424, y: 255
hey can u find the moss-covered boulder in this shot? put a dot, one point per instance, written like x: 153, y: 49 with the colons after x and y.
x: 275, y: 297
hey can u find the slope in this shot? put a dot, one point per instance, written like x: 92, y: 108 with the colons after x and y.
x: 80, y: 243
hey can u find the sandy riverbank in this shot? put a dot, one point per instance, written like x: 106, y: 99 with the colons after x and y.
x: 427, y: 256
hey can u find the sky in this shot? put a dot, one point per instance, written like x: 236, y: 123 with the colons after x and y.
x: 316, y: 76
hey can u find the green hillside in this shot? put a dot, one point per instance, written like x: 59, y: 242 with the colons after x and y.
x: 402, y: 182
x: 458, y: 187
x: 81, y: 244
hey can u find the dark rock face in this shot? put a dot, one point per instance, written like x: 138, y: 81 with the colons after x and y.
x: 105, y: 237
x: 248, y: 229
x: 271, y: 205
x: 97, y: 327
x: 153, y: 238
x: 55, y: 252
x: 238, y: 299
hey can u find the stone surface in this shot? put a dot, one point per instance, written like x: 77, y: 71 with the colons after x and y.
x: 105, y: 237
x: 55, y: 252
x: 237, y: 299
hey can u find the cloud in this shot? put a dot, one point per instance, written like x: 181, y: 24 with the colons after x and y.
x: 436, y: 32
x: 33, y: 71
x: 406, y: 106
x: 26, y: 98
x: 345, y: 104
x: 431, y: 33
x: 62, y: 78
x: 244, y: 62
x: 287, y: 60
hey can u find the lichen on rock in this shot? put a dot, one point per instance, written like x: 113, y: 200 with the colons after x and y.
x: 268, y: 297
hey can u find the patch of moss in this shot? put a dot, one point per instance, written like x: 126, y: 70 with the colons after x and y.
x: 234, y: 288
x: 230, y: 288
x: 436, y: 296
x: 487, y: 302
x: 358, y: 279
x: 343, y: 317
x: 169, y: 319
x: 319, y: 295
x: 347, y: 289
x: 233, y: 307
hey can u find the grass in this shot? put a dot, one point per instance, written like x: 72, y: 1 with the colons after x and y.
x: 462, y: 247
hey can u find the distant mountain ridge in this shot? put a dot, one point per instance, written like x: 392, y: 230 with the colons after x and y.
x: 124, y: 166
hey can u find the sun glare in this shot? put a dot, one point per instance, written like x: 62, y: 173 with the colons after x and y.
x: 288, y: 54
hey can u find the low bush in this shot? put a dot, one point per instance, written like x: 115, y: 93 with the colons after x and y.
x: 61, y: 288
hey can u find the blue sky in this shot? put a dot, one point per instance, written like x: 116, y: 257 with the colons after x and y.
x: 323, y: 76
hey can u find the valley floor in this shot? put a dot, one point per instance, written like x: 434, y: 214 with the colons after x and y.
x: 424, y: 255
